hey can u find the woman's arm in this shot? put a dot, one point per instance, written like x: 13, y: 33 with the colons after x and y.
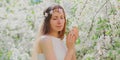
x: 35, y: 50
x: 75, y: 32
x: 70, y: 42
x: 74, y: 55
x: 47, y: 48
x: 69, y: 55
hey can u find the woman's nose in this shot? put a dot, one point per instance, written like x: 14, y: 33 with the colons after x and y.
x: 59, y: 21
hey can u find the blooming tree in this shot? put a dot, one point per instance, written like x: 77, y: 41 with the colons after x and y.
x: 98, y: 22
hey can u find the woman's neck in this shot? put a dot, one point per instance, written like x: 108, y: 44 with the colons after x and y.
x: 55, y: 34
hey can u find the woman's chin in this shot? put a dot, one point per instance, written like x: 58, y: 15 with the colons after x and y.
x: 59, y: 29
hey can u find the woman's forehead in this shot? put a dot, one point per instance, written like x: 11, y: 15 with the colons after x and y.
x: 57, y: 14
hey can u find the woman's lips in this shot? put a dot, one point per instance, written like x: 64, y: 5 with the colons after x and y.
x: 59, y: 26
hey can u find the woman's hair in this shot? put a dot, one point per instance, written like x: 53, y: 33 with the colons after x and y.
x: 45, y: 29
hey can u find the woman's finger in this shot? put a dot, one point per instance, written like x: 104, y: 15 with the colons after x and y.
x: 76, y: 33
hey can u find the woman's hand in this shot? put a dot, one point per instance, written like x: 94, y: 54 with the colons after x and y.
x: 72, y: 37
x: 75, y: 32
x: 70, y: 41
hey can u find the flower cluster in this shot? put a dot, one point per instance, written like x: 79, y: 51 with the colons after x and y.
x: 46, y: 14
x: 51, y: 12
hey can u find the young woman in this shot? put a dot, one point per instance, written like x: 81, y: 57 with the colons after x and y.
x: 49, y: 45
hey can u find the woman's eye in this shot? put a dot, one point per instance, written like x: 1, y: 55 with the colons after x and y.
x: 54, y: 19
x: 62, y: 17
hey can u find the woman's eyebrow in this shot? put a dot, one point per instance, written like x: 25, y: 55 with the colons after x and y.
x: 55, y: 16
x: 62, y: 15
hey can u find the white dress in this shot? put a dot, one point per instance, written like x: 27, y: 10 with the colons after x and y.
x: 59, y: 47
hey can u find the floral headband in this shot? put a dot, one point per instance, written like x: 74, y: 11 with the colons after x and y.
x: 46, y: 14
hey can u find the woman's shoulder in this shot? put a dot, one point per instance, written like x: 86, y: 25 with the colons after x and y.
x: 44, y: 38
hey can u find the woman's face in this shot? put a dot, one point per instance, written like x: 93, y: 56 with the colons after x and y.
x: 57, y: 20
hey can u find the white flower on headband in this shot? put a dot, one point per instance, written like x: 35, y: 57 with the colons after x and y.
x: 51, y: 11
x: 60, y: 10
x: 46, y: 14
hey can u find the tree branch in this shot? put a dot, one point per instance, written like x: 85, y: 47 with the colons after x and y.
x: 91, y: 26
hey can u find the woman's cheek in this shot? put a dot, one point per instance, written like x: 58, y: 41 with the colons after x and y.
x: 63, y: 21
